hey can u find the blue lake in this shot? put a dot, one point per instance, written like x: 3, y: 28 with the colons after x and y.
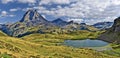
x: 92, y: 44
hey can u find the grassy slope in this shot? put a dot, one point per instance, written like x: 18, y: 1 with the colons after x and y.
x: 115, y: 51
x: 52, y: 39
x: 2, y: 34
x: 18, y: 48
x: 15, y: 47
x: 72, y: 35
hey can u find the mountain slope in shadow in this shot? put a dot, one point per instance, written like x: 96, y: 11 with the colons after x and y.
x: 113, y: 33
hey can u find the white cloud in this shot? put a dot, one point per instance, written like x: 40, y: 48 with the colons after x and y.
x: 14, y: 9
x: 6, y: 1
x: 27, y: 1
x: 26, y: 9
x: 11, y: 15
x: 116, y: 2
x: 4, y: 13
x: 45, y: 2
x: 20, y: 1
x: 89, y: 10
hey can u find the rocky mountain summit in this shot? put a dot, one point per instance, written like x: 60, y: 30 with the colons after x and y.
x: 59, y: 22
x: 33, y: 18
x: 113, y: 34
x: 31, y: 22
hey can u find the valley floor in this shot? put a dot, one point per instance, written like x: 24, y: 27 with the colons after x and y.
x: 45, y: 46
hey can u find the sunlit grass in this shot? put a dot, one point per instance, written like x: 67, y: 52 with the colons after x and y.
x: 46, y: 46
x: 18, y: 47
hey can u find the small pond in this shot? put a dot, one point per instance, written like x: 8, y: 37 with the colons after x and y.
x: 98, y: 45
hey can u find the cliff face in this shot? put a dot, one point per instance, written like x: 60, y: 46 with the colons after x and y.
x: 31, y: 22
x: 33, y: 18
x: 113, y: 33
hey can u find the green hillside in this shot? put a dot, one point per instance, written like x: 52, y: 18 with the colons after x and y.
x: 2, y: 34
x: 16, y: 47
x: 74, y: 35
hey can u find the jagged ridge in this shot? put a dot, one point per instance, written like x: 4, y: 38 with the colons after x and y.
x: 113, y: 33
x: 31, y: 22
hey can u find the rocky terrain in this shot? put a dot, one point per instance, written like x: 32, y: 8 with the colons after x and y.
x: 113, y: 34
x: 33, y: 22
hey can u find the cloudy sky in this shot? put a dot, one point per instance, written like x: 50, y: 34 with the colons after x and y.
x: 88, y: 11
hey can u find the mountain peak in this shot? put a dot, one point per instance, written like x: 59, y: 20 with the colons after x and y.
x: 32, y: 15
x: 31, y: 22
x: 82, y: 23
x: 117, y: 21
x: 59, y: 19
x: 59, y: 22
x: 71, y: 22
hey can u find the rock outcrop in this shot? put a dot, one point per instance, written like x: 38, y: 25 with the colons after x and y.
x: 31, y: 22
x: 112, y: 34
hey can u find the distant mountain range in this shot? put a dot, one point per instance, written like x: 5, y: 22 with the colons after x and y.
x: 33, y: 22
x: 71, y: 25
x: 100, y: 25
x: 103, y: 25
